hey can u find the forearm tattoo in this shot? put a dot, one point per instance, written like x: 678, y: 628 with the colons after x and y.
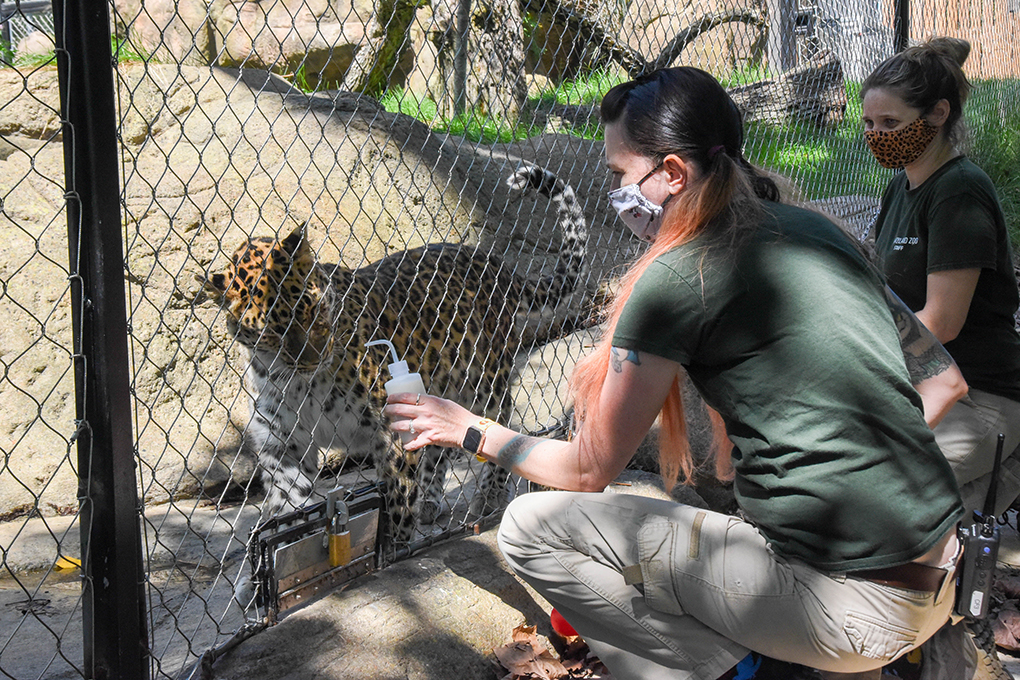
x: 927, y: 364
x: 516, y: 451
x: 618, y: 356
x: 923, y: 353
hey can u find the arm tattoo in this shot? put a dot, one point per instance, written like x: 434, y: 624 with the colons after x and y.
x: 923, y: 353
x: 616, y: 358
x: 516, y: 451
x: 927, y: 364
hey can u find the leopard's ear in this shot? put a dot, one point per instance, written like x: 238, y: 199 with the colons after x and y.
x: 215, y: 284
x: 297, y: 241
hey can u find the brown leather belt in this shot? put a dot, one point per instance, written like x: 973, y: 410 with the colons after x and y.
x: 912, y: 576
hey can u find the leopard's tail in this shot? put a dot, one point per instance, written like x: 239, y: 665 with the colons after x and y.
x: 553, y: 287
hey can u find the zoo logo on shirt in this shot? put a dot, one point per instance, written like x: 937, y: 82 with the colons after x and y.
x: 901, y: 241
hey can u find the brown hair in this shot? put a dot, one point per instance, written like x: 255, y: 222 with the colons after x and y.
x: 924, y: 74
x: 682, y: 111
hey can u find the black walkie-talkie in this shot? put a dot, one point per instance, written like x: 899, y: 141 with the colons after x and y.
x: 980, y: 552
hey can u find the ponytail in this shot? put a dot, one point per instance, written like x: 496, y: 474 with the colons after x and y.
x: 683, y: 111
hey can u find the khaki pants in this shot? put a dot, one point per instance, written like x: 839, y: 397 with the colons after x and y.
x: 968, y: 436
x: 711, y: 590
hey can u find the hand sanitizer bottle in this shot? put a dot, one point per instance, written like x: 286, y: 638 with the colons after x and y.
x: 401, y: 380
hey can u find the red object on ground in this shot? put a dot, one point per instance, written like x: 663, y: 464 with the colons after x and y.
x: 560, y: 624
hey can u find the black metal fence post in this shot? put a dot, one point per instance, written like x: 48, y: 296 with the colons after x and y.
x: 460, y: 56
x: 901, y: 25
x: 114, y: 625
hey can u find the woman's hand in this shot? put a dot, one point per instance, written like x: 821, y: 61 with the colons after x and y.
x: 430, y: 420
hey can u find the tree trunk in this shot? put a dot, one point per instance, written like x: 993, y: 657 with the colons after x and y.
x: 386, y: 37
x: 592, y: 31
x: 480, y: 57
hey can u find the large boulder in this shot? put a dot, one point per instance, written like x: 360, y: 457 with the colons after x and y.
x: 177, y: 31
x: 311, y: 42
x: 312, y: 36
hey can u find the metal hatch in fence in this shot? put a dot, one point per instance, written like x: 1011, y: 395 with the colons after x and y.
x: 303, y: 555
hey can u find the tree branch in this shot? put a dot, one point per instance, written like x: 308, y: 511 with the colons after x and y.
x: 632, y: 61
x: 702, y: 25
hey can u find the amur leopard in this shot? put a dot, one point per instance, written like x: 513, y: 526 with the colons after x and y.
x: 455, y: 313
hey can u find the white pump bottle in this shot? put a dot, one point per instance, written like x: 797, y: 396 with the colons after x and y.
x: 401, y: 380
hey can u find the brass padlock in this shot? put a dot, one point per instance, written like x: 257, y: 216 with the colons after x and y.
x: 338, y: 535
x: 339, y: 549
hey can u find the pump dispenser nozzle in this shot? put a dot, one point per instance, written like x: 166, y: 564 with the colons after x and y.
x: 398, y: 367
x: 401, y: 380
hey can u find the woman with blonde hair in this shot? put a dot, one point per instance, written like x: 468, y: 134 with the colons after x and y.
x: 846, y: 557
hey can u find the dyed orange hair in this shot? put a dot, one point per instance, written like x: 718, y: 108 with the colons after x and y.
x: 682, y: 111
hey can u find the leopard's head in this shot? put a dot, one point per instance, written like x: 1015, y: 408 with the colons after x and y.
x: 275, y: 299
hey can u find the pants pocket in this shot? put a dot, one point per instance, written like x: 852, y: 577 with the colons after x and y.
x: 655, y: 553
x: 877, y: 639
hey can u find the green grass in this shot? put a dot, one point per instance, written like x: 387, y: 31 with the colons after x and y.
x: 993, y: 121
x: 588, y: 90
x: 746, y: 74
x: 306, y: 83
x: 33, y: 60
x: 121, y: 50
x: 489, y: 129
x: 410, y: 104
x: 6, y: 54
x: 483, y: 129
x: 125, y: 50
x: 822, y: 162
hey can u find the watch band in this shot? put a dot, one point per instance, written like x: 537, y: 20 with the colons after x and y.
x: 474, y: 438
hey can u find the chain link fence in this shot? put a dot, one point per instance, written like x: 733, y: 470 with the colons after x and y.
x: 349, y: 133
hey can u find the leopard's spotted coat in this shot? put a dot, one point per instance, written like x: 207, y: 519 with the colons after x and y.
x: 455, y: 313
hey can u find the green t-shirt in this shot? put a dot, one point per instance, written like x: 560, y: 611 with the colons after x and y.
x: 954, y: 221
x: 791, y: 340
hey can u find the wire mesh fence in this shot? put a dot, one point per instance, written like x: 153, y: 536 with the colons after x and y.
x: 283, y: 168
x: 19, y: 20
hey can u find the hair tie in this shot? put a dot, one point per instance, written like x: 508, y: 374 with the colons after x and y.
x: 714, y: 151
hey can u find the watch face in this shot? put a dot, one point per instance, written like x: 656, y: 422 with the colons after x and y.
x: 472, y: 438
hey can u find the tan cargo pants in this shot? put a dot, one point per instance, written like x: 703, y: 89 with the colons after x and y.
x: 968, y: 436
x: 710, y: 590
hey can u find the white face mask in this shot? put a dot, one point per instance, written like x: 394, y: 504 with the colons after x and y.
x: 639, y: 214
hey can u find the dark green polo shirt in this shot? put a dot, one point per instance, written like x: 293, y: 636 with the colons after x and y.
x: 791, y: 340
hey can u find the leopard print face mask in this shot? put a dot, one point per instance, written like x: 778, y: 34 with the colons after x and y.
x: 900, y: 148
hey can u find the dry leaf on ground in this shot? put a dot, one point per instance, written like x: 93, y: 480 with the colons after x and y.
x: 1008, y: 585
x: 1007, y: 628
x: 527, y: 658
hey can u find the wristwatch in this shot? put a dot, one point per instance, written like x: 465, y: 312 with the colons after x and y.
x: 475, y: 437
